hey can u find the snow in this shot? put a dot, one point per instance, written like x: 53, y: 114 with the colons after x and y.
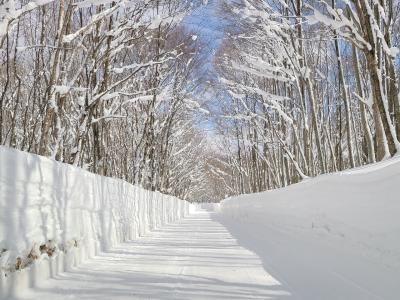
x: 62, y: 89
x: 194, y: 258
x: 10, y: 11
x: 88, y: 3
x: 332, y: 237
x: 43, y: 202
x: 394, y: 51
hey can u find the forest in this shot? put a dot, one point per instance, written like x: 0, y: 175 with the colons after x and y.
x: 199, y: 149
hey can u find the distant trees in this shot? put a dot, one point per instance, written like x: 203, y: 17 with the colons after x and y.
x: 104, y: 85
x: 310, y: 88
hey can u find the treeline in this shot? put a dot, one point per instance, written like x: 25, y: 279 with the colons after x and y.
x: 311, y: 87
x: 104, y: 85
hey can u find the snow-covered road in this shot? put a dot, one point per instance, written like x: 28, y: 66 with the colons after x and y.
x: 194, y: 258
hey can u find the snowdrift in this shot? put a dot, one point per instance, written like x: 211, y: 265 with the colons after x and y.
x: 336, y: 236
x: 53, y: 216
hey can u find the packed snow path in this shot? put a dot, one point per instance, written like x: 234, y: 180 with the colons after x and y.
x: 194, y: 258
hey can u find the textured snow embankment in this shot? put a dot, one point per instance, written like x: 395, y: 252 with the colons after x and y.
x: 53, y: 216
x: 336, y: 236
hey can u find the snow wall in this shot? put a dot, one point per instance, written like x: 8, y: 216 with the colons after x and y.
x: 359, y: 206
x: 330, y: 237
x: 78, y: 212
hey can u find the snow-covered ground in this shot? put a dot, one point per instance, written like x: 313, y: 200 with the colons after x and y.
x: 333, y: 237
x: 54, y: 216
x: 194, y: 258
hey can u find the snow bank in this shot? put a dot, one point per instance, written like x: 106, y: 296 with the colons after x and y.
x: 54, y: 205
x: 211, y: 207
x: 339, y: 228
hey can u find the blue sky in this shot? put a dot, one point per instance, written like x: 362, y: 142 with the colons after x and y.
x: 206, y: 23
x: 209, y: 27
